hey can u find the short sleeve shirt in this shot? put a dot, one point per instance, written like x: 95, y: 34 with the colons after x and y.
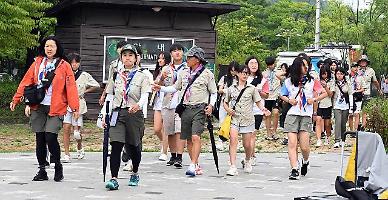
x: 139, y: 84
x: 244, y: 115
x: 357, y: 82
x: 326, y: 102
x: 201, y: 88
x: 339, y: 98
x: 369, y: 76
x: 302, y: 108
x: 274, y: 83
x: 171, y: 100
x: 263, y: 86
x: 84, y: 81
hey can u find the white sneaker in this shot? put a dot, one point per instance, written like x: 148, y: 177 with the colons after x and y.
x: 80, y: 154
x: 248, y: 166
x: 253, y: 161
x: 327, y: 141
x: 336, y: 145
x: 128, y: 167
x: 66, y: 159
x: 163, y: 157
x: 77, y: 134
x: 232, y: 171
x: 319, y: 143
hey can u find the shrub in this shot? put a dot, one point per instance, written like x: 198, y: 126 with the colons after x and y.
x: 377, y: 110
x: 7, y: 90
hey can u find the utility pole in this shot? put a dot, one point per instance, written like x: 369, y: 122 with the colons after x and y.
x: 317, y: 24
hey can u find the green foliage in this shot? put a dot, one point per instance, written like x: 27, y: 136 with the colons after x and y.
x: 377, y: 110
x: 21, y: 22
x: 7, y: 90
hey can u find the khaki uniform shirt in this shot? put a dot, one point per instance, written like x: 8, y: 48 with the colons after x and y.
x: 357, y: 82
x: 244, y: 108
x: 369, y: 76
x: 201, y: 88
x: 274, y: 83
x: 114, y: 66
x: 327, y: 102
x: 346, y: 88
x: 140, y: 84
x: 84, y: 81
x: 170, y: 100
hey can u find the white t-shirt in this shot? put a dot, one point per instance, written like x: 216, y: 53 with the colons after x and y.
x: 263, y: 86
x: 307, y: 92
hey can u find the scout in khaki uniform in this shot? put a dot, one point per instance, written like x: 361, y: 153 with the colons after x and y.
x: 272, y: 102
x: 370, y: 77
x: 85, y: 84
x: 195, y: 101
x: 130, y: 90
x: 325, y: 106
x: 243, y: 120
x: 171, y: 120
x: 358, y: 87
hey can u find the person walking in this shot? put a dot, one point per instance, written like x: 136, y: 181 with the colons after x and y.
x: 51, y: 77
x: 301, y: 91
x: 239, y: 100
x: 85, y: 84
x: 130, y: 89
x: 199, y: 86
x: 358, y: 85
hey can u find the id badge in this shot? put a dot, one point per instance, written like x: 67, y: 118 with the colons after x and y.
x: 114, y: 117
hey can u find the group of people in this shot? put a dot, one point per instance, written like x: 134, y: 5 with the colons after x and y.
x: 183, y: 93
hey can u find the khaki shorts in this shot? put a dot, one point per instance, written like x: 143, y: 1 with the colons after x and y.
x: 193, y: 121
x: 296, y: 124
x: 40, y: 121
x: 171, y: 121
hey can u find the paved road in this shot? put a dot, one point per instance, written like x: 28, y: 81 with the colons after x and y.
x: 84, y: 180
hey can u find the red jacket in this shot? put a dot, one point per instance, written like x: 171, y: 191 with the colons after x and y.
x: 64, y: 88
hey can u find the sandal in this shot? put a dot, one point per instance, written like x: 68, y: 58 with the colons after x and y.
x: 268, y: 138
x: 274, y: 137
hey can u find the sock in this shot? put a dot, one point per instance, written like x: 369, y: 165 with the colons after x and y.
x: 179, y: 156
x: 173, y: 155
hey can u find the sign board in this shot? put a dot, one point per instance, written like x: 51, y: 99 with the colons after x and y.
x: 151, y: 47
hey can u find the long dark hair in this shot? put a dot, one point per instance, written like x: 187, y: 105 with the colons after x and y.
x: 325, y: 69
x: 308, y: 59
x: 228, y: 79
x: 58, y: 54
x: 296, y: 72
x: 286, y: 67
x: 167, y: 60
x: 258, y: 75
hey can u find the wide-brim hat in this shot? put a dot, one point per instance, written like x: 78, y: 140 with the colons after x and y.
x: 363, y: 58
x: 129, y: 47
x: 198, y: 53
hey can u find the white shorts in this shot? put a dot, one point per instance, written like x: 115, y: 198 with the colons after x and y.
x: 68, y: 119
x: 244, y: 129
x: 357, y: 109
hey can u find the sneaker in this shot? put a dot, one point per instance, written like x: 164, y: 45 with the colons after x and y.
x: 327, y: 141
x: 77, y: 134
x: 134, y: 180
x: 178, y: 163
x: 128, y: 167
x: 171, y: 161
x: 305, y: 167
x: 191, y: 170
x: 336, y: 145
x: 232, y: 171
x: 80, y: 154
x: 323, y: 135
x: 253, y: 161
x: 58, y: 174
x: 285, y: 141
x: 294, y: 174
x: 41, y: 175
x: 112, y: 184
x: 198, y: 169
x: 66, y: 159
x: 163, y: 157
x: 319, y: 143
x: 248, y: 166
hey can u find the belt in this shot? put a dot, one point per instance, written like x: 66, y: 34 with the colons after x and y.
x: 196, y: 105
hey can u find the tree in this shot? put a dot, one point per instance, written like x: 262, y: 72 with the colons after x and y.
x: 17, y: 21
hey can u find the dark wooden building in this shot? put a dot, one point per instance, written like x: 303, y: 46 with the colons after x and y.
x: 92, y: 27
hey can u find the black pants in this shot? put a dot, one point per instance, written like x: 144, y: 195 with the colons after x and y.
x: 51, y: 139
x: 133, y: 151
